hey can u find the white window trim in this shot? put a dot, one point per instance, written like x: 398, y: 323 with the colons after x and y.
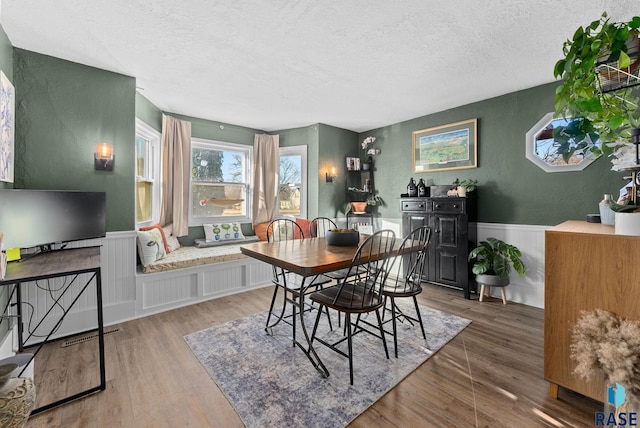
x: 201, y: 142
x: 304, y: 196
x: 154, y: 162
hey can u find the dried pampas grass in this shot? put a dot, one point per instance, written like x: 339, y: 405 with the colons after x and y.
x: 602, y: 341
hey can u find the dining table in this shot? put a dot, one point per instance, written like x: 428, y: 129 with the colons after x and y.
x: 310, y: 257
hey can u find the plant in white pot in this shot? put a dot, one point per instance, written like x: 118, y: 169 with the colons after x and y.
x: 492, y: 262
x: 465, y: 186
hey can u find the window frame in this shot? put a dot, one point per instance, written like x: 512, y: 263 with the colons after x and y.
x: 153, y: 170
x: 301, y: 151
x: 248, y: 167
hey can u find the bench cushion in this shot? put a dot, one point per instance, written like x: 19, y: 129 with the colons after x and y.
x: 185, y: 257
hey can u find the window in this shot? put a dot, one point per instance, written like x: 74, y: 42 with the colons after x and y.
x: 148, y: 175
x: 543, y: 146
x: 292, y: 181
x: 220, y: 178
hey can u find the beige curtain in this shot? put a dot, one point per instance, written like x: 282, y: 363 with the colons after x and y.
x: 176, y: 171
x: 265, y: 177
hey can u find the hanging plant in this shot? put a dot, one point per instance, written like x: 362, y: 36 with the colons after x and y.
x: 603, y: 113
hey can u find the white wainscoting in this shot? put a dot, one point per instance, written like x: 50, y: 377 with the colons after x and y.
x: 528, y: 290
x: 128, y: 295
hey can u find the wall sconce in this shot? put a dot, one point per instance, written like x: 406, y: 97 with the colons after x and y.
x: 331, y: 177
x: 103, y: 159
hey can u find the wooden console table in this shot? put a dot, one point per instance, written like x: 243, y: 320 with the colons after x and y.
x: 54, y: 264
x: 587, y: 266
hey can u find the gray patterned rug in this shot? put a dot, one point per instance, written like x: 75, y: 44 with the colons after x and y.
x: 270, y: 383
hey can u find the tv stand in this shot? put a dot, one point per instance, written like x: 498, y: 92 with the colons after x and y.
x: 56, y: 264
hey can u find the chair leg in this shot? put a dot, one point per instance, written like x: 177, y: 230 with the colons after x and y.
x: 415, y: 302
x: 395, y: 327
x: 384, y: 341
x: 293, y: 319
x: 350, y: 347
x: 329, y: 318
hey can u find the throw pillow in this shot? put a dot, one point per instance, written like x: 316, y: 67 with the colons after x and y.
x: 304, y: 225
x: 222, y: 231
x: 150, y: 246
x: 171, y: 239
x: 261, y: 230
x: 164, y: 239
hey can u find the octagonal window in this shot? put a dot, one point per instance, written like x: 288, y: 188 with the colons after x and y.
x: 542, y: 149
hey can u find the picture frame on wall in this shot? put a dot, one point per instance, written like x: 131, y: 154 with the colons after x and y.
x: 446, y: 147
x: 7, y: 127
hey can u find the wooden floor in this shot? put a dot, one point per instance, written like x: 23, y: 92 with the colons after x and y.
x: 490, y: 375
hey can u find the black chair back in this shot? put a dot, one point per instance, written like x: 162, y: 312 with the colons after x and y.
x: 413, y: 260
x: 320, y: 225
x: 283, y: 229
x: 361, y: 290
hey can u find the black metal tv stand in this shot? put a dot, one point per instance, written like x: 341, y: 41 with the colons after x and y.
x: 55, y: 264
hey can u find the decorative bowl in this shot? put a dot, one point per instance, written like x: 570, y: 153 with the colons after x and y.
x: 343, y: 239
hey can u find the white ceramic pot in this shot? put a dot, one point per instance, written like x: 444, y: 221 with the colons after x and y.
x: 627, y: 224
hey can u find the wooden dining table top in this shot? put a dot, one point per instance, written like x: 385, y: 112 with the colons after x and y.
x: 306, y: 257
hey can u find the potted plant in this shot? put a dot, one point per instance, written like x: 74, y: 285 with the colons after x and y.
x: 465, y: 186
x: 593, y: 95
x: 373, y: 201
x: 492, y: 262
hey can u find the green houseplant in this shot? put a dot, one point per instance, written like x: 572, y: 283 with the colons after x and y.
x: 465, y: 186
x: 591, y: 96
x: 495, y: 257
x: 372, y: 201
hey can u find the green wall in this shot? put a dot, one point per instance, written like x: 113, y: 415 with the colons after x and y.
x: 63, y: 110
x: 512, y: 190
x: 6, y: 65
x: 147, y: 112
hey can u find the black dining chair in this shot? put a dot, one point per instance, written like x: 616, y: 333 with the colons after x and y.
x: 291, y: 283
x: 320, y: 225
x: 318, y: 229
x: 408, y: 284
x: 358, y: 294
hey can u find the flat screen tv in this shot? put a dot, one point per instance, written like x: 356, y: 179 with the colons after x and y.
x: 43, y: 218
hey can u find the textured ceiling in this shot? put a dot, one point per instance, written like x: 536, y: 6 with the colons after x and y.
x: 279, y: 64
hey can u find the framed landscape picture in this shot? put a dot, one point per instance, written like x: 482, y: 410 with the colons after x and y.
x: 446, y: 147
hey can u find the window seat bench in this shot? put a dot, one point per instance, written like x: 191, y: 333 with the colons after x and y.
x: 190, y: 275
x: 188, y: 256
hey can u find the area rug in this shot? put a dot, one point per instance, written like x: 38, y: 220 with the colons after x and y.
x: 271, y: 383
